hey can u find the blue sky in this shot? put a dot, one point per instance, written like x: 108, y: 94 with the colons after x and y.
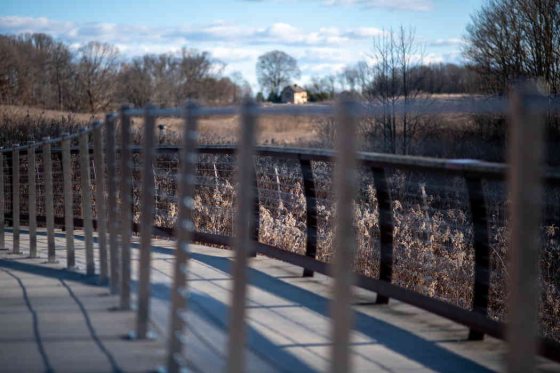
x: 324, y: 35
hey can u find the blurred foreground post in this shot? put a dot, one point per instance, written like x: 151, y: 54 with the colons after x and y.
x: 99, y: 163
x: 344, y: 242
x: 184, y: 233
x: 113, y: 221
x: 525, y: 193
x: 68, y: 202
x: 243, y: 243
x: 32, y: 200
x: 85, y: 191
x: 15, y: 199
x: 49, y: 197
x: 125, y: 214
x: 146, y: 223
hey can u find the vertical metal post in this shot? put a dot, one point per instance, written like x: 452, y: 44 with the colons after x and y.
x: 2, y: 204
x: 386, y: 228
x: 15, y: 199
x: 146, y: 223
x: 125, y: 208
x: 525, y: 193
x: 243, y: 242
x: 68, y: 202
x: 49, y: 197
x: 311, y: 212
x: 344, y: 240
x: 32, y: 200
x: 184, y: 230
x: 256, y: 211
x: 99, y: 162
x: 481, y: 250
x: 85, y: 192
x: 113, y: 222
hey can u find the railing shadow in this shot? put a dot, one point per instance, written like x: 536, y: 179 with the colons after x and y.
x: 424, y: 352
x: 402, y: 342
x: 91, y: 329
x: 62, y: 275
x: 36, y: 331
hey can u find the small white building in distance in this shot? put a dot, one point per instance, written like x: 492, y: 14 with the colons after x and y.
x: 294, y: 94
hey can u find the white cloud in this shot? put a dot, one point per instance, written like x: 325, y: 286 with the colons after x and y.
x: 278, y: 33
x: 321, y: 51
x: 451, y: 42
x: 16, y: 25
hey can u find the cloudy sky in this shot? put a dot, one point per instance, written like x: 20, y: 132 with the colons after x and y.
x: 324, y: 35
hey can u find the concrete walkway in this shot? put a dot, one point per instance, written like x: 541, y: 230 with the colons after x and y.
x: 288, y: 321
x: 53, y: 320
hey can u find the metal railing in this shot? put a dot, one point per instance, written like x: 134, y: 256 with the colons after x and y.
x: 115, y: 212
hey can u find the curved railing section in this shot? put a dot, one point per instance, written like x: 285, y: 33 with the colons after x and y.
x: 42, y: 191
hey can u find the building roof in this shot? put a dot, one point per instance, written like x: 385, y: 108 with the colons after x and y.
x: 295, y: 88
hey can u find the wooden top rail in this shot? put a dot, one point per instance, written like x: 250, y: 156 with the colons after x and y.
x: 483, y: 169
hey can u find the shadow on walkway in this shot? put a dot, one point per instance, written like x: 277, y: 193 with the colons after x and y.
x: 402, y: 342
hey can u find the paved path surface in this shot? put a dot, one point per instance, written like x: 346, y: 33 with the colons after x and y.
x: 288, y: 321
x: 53, y: 320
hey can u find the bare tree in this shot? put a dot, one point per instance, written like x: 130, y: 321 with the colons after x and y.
x: 350, y: 78
x: 276, y: 69
x: 135, y: 83
x: 511, y: 39
x: 395, y: 55
x: 63, y: 72
x: 164, y: 74
x: 37, y: 70
x: 96, y: 72
x: 194, y: 67
x: 242, y: 86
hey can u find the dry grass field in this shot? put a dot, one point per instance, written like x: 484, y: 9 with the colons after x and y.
x: 278, y: 130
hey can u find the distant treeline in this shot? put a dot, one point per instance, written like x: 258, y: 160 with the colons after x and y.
x: 37, y: 70
x: 438, y: 78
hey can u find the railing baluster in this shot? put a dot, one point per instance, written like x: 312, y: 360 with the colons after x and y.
x: 386, y: 228
x: 85, y: 192
x: 146, y: 224
x: 525, y: 193
x: 49, y: 195
x: 125, y: 224
x: 113, y: 222
x: 32, y: 199
x: 184, y: 231
x: 481, y: 250
x: 243, y: 241
x: 15, y: 200
x: 344, y: 241
x: 311, y: 212
x: 99, y: 163
x: 10, y: 177
x: 2, y: 204
x: 256, y: 210
x: 68, y: 202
